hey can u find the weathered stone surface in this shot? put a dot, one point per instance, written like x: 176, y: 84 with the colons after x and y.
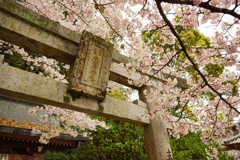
x: 21, y: 84
x: 119, y: 58
x: 17, y: 110
x: 29, y: 16
x: 1, y: 58
x: 37, y: 33
x: 157, y: 145
x: 90, y: 71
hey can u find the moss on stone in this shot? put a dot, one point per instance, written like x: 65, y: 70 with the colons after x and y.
x: 66, y: 99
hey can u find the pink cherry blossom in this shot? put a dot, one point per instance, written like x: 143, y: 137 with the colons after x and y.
x: 197, y: 2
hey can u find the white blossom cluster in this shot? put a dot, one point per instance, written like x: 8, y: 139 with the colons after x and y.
x: 71, y: 122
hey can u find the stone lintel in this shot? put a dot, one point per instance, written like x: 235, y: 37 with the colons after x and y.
x: 42, y: 22
x: 23, y: 85
x: 23, y: 27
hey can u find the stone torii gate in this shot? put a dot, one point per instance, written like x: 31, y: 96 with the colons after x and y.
x: 91, y: 60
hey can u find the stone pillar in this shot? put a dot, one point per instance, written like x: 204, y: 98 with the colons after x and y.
x: 1, y: 58
x: 157, y: 145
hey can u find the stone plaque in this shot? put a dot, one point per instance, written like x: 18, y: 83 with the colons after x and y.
x: 90, y: 72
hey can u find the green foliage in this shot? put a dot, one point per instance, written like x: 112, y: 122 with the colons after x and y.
x: 125, y: 142
x: 15, y: 60
x: 234, y: 84
x: 66, y: 99
x: 214, y: 69
x: 121, y: 141
x: 121, y: 94
x: 192, y: 37
x: 59, y: 156
x: 183, y: 112
x: 190, y: 147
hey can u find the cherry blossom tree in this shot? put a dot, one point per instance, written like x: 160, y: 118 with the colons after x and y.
x: 212, y: 98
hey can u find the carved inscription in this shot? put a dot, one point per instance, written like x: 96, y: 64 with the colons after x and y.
x: 90, y: 72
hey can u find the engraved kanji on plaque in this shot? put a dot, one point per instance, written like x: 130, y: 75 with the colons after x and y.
x: 90, y: 73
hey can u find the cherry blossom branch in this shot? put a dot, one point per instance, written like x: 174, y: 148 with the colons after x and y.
x: 157, y: 27
x: 106, y: 20
x: 158, y: 2
x: 84, y: 21
x: 39, y: 11
x: 219, y: 21
x: 216, y: 109
x: 236, y: 4
x: 205, y: 5
x: 156, y: 72
x: 181, y: 113
x: 145, y: 3
x: 105, y: 4
x: 230, y: 26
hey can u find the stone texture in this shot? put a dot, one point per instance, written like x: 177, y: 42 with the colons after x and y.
x: 16, y: 109
x: 1, y: 58
x: 23, y: 85
x: 90, y: 71
x: 37, y: 33
x: 29, y: 16
x: 157, y: 145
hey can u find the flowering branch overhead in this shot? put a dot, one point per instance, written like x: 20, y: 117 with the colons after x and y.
x: 206, y: 5
x: 188, y: 56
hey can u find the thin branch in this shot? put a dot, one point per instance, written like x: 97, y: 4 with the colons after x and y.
x: 106, y: 20
x: 158, y: 2
x: 181, y: 113
x: 215, y: 122
x: 157, y: 27
x: 204, y: 5
x: 144, y: 5
x: 230, y: 26
x: 219, y: 21
x: 236, y: 5
x: 105, y: 4
x: 39, y: 11
x: 84, y: 21
x: 163, y: 65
